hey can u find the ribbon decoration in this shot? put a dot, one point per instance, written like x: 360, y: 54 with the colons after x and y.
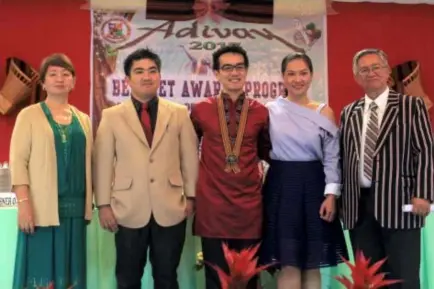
x: 209, y: 8
x: 247, y: 11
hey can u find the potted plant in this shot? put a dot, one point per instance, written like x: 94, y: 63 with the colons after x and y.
x: 242, y: 267
x: 365, y: 276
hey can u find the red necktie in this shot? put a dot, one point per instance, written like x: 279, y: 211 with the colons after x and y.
x: 146, y: 122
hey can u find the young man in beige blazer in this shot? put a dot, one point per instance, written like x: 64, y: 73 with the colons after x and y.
x: 146, y: 167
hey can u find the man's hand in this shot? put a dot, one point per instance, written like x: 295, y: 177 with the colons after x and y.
x: 107, y: 219
x: 189, y: 208
x: 421, y: 207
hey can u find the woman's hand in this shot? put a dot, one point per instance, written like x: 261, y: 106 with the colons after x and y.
x: 327, y: 211
x: 25, y: 216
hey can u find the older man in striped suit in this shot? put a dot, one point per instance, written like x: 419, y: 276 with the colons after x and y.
x: 387, y: 161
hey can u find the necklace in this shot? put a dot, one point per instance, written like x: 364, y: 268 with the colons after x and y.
x: 62, y: 128
x: 63, y: 131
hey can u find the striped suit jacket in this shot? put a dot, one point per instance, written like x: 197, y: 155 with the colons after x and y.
x: 403, y: 161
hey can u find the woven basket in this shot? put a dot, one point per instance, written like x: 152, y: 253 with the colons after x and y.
x: 19, y: 85
x: 406, y: 79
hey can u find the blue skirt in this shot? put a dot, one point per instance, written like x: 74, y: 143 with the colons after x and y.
x: 294, y: 233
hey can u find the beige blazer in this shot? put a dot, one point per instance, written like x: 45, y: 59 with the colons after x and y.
x: 33, y: 162
x: 137, y: 180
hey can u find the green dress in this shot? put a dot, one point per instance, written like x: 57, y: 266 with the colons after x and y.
x: 58, y: 253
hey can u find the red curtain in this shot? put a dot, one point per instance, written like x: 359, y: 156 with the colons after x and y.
x: 32, y: 31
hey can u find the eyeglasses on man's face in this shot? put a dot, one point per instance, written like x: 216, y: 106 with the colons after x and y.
x: 376, y: 68
x: 241, y: 67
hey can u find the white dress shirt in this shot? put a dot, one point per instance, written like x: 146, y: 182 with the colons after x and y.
x: 381, y: 102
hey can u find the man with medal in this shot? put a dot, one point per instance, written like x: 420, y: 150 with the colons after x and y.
x: 233, y: 130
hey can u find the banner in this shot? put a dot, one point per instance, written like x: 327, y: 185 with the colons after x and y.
x: 185, y: 34
x: 5, y: 186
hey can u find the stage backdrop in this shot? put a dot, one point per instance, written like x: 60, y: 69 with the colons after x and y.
x: 185, y: 36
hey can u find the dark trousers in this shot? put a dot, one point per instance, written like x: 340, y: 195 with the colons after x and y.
x: 401, y: 247
x: 165, y: 247
x: 213, y: 253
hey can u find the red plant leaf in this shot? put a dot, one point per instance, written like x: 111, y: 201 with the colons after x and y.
x: 377, y: 279
x: 374, y: 268
x: 242, y: 266
x: 347, y: 262
x: 229, y: 255
x: 224, y: 278
x: 363, y: 275
x: 344, y: 281
x: 386, y: 283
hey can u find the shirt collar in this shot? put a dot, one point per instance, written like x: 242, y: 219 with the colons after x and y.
x: 240, y: 98
x: 381, y: 100
x: 138, y: 105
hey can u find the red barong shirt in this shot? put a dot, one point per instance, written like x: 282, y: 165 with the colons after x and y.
x: 229, y: 205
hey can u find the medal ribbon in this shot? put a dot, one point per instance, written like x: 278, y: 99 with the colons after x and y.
x: 232, y: 154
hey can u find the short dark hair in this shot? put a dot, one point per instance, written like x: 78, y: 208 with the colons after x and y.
x: 56, y: 59
x: 290, y: 57
x: 139, y: 54
x: 231, y: 48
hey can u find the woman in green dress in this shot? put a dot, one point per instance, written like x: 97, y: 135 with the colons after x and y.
x: 50, y: 157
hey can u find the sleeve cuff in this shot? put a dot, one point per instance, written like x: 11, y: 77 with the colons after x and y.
x: 103, y: 206
x: 19, y: 178
x: 333, y: 189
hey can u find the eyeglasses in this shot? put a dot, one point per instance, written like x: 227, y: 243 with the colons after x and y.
x: 374, y: 68
x: 230, y: 68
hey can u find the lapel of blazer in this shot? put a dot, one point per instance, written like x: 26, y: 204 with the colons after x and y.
x: 130, y: 115
x: 356, y: 123
x: 163, y: 116
x: 86, y: 127
x: 47, y: 128
x: 48, y: 131
x: 389, y: 119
